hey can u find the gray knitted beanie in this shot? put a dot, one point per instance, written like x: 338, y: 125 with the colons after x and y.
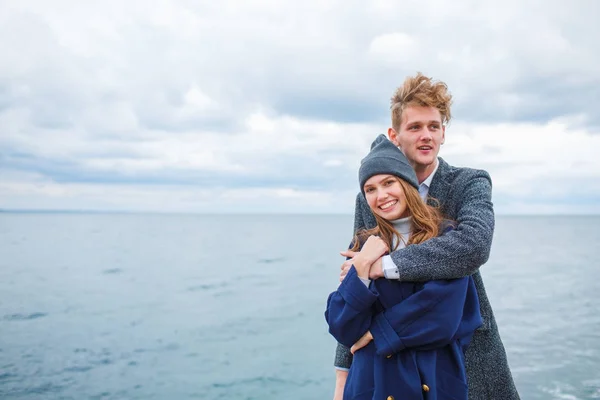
x: 385, y: 158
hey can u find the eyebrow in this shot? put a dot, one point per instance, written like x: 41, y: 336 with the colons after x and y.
x: 386, y: 178
x: 381, y: 180
x: 429, y: 122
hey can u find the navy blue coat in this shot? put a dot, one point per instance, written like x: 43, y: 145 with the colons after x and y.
x: 420, y: 334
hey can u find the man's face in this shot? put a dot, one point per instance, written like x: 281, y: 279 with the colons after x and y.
x: 420, y: 137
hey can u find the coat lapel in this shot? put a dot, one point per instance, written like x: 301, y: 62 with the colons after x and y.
x: 439, y: 186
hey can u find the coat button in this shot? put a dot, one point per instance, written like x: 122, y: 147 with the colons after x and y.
x: 390, y: 398
x: 425, y: 388
x: 390, y: 356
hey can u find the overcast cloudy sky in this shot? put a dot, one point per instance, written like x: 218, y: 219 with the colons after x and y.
x: 268, y: 106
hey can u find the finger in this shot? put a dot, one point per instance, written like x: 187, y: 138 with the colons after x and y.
x: 348, y: 253
x: 357, y: 346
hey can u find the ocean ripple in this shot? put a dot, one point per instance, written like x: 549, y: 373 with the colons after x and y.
x: 25, y: 317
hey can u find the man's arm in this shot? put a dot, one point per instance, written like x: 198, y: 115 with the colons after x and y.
x: 462, y: 251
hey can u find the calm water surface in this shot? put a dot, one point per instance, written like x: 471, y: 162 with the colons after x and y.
x: 118, y: 306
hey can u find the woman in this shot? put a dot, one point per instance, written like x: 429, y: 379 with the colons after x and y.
x: 408, y: 339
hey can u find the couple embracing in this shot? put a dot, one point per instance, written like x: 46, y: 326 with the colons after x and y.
x: 411, y: 315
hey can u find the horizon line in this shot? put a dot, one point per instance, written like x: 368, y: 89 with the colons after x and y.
x: 216, y: 213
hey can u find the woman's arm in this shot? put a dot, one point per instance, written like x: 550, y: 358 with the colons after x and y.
x: 349, y: 308
x: 348, y: 312
x: 437, y: 314
x: 343, y: 356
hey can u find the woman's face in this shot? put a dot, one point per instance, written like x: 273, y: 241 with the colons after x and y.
x: 386, y: 197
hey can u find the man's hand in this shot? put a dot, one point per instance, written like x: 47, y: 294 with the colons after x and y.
x: 340, y: 382
x: 348, y: 253
x: 362, y: 342
x: 348, y: 263
x: 376, y: 270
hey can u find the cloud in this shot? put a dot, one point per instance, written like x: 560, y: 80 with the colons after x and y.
x: 34, y: 192
x: 266, y: 98
x: 532, y: 165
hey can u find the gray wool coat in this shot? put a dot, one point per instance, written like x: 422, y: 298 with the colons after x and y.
x: 465, y: 196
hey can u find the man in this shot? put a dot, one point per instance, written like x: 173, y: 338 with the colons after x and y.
x: 420, y: 110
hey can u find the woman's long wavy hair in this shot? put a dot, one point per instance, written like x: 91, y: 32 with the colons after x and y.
x: 426, y: 222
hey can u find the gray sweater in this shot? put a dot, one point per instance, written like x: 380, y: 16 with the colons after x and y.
x: 464, y: 195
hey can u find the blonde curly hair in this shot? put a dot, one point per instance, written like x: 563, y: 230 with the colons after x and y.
x: 423, y: 91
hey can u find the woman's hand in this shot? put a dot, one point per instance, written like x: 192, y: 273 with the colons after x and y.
x: 375, y: 272
x: 362, y: 342
x: 370, y: 252
x: 373, y: 249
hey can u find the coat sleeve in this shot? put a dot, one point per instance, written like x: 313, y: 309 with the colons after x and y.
x: 462, y: 251
x: 349, y: 312
x: 430, y: 318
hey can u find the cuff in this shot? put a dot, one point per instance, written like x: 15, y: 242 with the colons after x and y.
x: 367, y: 282
x: 385, y: 338
x: 355, y: 293
x: 343, y: 358
x: 390, y: 270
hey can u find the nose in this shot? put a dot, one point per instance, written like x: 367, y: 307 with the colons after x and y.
x: 427, y: 135
x: 382, y: 194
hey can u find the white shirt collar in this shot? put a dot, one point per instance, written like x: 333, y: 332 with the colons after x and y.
x: 427, y: 181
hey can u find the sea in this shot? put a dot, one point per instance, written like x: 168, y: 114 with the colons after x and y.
x: 174, y: 306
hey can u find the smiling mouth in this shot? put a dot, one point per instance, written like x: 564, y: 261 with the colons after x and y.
x: 387, y: 206
x: 425, y: 148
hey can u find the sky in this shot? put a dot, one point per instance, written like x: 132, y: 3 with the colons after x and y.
x: 265, y: 106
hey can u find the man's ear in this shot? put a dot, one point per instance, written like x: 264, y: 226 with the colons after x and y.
x: 393, y: 135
